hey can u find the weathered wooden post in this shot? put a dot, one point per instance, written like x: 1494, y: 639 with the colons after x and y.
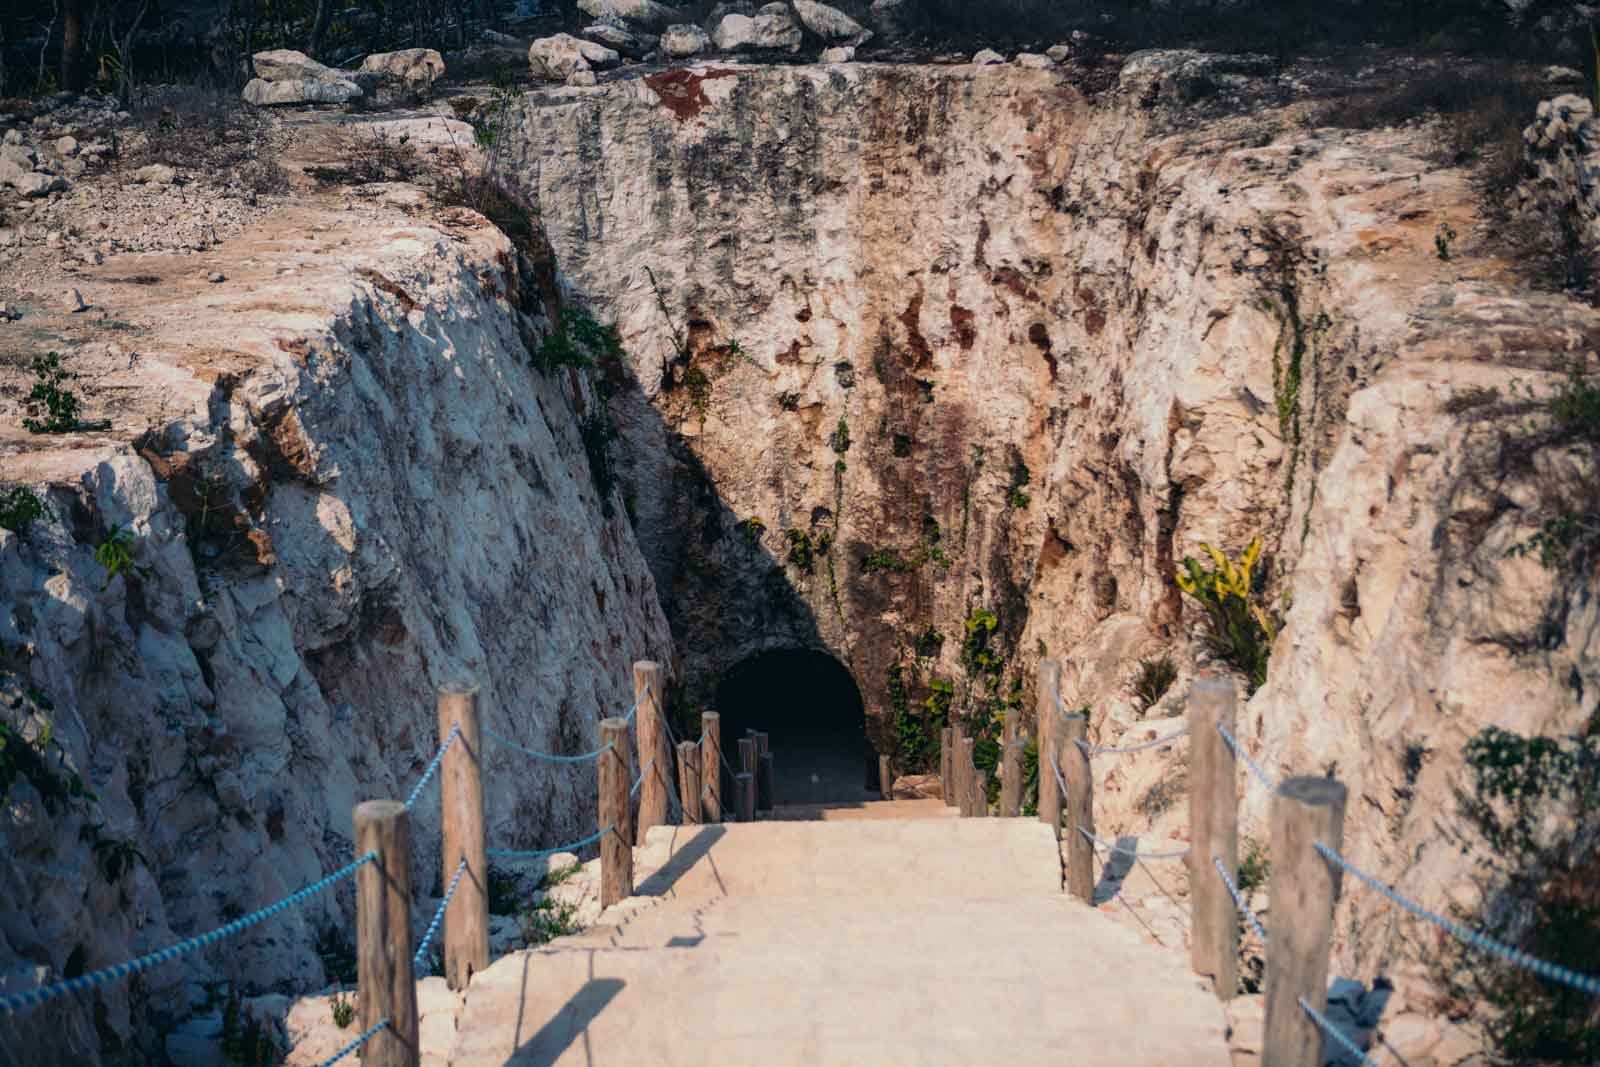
x: 980, y: 792
x: 746, y: 776
x: 1010, y: 769
x: 383, y: 934
x: 947, y: 766
x: 466, y: 922
x: 689, y: 781
x: 968, y: 774
x: 744, y: 789
x: 616, y: 811
x: 1305, y: 889
x: 765, y: 800
x: 648, y: 690
x: 1047, y: 703
x: 711, y: 765
x: 1213, y: 833
x: 1079, y: 775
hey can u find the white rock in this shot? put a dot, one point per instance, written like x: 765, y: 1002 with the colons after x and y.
x: 1033, y: 61
x: 644, y: 12
x: 830, y: 23
x: 275, y: 93
x: 838, y: 54
x: 682, y: 40
x: 557, y: 57
x: 625, y: 42
x: 154, y: 174
x: 13, y: 137
x: 740, y: 33
x: 285, y: 64
x: 1562, y: 75
x: 412, y: 70
x: 216, y: 277
x: 582, y: 78
x: 36, y: 185
x: 1060, y: 53
x: 66, y: 146
x: 988, y: 57
x: 19, y: 154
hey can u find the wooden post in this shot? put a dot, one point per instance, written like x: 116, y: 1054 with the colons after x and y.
x: 1045, y: 703
x: 886, y: 777
x: 616, y: 811
x: 764, y: 795
x: 649, y: 690
x: 1010, y: 770
x: 980, y: 792
x: 1213, y: 833
x: 689, y: 781
x: 1079, y: 775
x: 1305, y: 888
x: 466, y: 923
x: 967, y: 775
x: 711, y: 765
x: 947, y: 766
x: 388, y: 984
x: 744, y: 793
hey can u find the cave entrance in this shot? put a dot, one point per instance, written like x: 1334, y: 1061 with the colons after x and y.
x: 809, y: 705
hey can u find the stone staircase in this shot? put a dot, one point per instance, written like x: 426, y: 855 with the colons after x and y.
x: 873, y: 942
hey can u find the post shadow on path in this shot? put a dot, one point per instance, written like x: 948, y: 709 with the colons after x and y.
x: 568, y: 1026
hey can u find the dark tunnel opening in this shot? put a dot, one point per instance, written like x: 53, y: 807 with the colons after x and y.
x: 811, y: 709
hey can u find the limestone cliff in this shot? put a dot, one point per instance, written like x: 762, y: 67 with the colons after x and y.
x: 341, y: 484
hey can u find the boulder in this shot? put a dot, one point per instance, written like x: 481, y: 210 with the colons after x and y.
x: 684, y: 40
x: 838, y: 54
x: 988, y: 57
x: 19, y: 155
x: 557, y: 58
x: 830, y: 23
x: 406, y: 74
x: 633, y: 45
x: 1033, y: 61
x: 287, y: 65
x: 154, y: 174
x: 582, y: 78
x: 893, y: 18
x: 726, y: 8
x: 271, y: 93
x: 644, y: 12
x: 66, y: 146
x: 740, y: 33
x: 1059, y: 52
x: 32, y: 185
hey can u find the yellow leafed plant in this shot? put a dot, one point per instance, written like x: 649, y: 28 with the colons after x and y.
x: 1239, y: 630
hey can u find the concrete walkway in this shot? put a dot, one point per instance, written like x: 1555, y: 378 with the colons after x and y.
x: 874, y: 942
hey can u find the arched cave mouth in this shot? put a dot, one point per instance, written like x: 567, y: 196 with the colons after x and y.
x: 810, y: 707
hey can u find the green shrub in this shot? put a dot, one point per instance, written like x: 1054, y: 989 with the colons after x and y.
x: 548, y: 920
x: 577, y: 341
x: 1255, y: 866
x: 753, y: 528
x: 344, y: 1010
x: 1154, y: 678
x: 116, y: 557
x: 598, y: 434
x: 841, y: 437
x: 1575, y: 404
x: 1238, y: 631
x: 60, y: 405
x: 916, y: 734
x: 20, y: 507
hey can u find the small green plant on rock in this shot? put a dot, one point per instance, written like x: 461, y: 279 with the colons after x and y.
x: 753, y: 528
x: 115, y: 555
x: 1255, y: 866
x: 1442, y: 239
x: 1152, y: 680
x: 51, y: 396
x: 598, y: 434
x: 20, y: 507
x: 577, y: 341
x: 1239, y: 631
x: 548, y: 920
x: 841, y: 437
x: 344, y: 1010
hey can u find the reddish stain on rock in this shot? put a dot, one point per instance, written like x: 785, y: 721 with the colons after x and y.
x: 1040, y: 336
x: 1013, y: 280
x: 680, y: 90
x: 921, y: 352
x: 1094, y: 320
x: 961, y: 320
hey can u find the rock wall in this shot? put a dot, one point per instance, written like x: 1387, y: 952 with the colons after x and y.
x: 352, y: 488
x: 1037, y: 348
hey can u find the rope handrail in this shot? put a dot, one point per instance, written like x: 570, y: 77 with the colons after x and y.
x: 1239, y: 752
x: 1238, y: 900
x: 1482, y: 942
x: 637, y: 782
x: 1062, y: 712
x: 550, y: 756
x: 357, y: 1043
x: 1327, y: 1027
x: 1172, y: 854
x: 438, y: 916
x: 1062, y: 782
x: 11, y: 1002
x: 536, y: 853
x: 427, y: 775
x: 1097, y: 750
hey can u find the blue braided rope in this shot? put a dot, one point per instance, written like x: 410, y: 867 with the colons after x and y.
x: 1096, y: 750
x: 1174, y: 854
x: 509, y: 854
x: 438, y: 917
x: 1553, y: 972
x: 11, y: 1002
x: 1238, y: 750
x: 531, y: 754
x: 629, y: 717
x: 357, y: 1043
x: 1238, y: 900
x: 637, y: 782
x: 1335, y: 1033
x: 411, y: 801
x: 1061, y: 709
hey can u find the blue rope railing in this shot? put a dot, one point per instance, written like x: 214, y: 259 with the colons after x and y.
x: 1238, y: 900
x: 547, y: 756
x: 1338, y: 1035
x: 1173, y: 854
x: 357, y: 1043
x: 514, y: 854
x: 1097, y: 750
x: 438, y: 917
x: 1553, y: 972
x: 12, y: 1002
x: 1238, y: 751
x: 427, y: 775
